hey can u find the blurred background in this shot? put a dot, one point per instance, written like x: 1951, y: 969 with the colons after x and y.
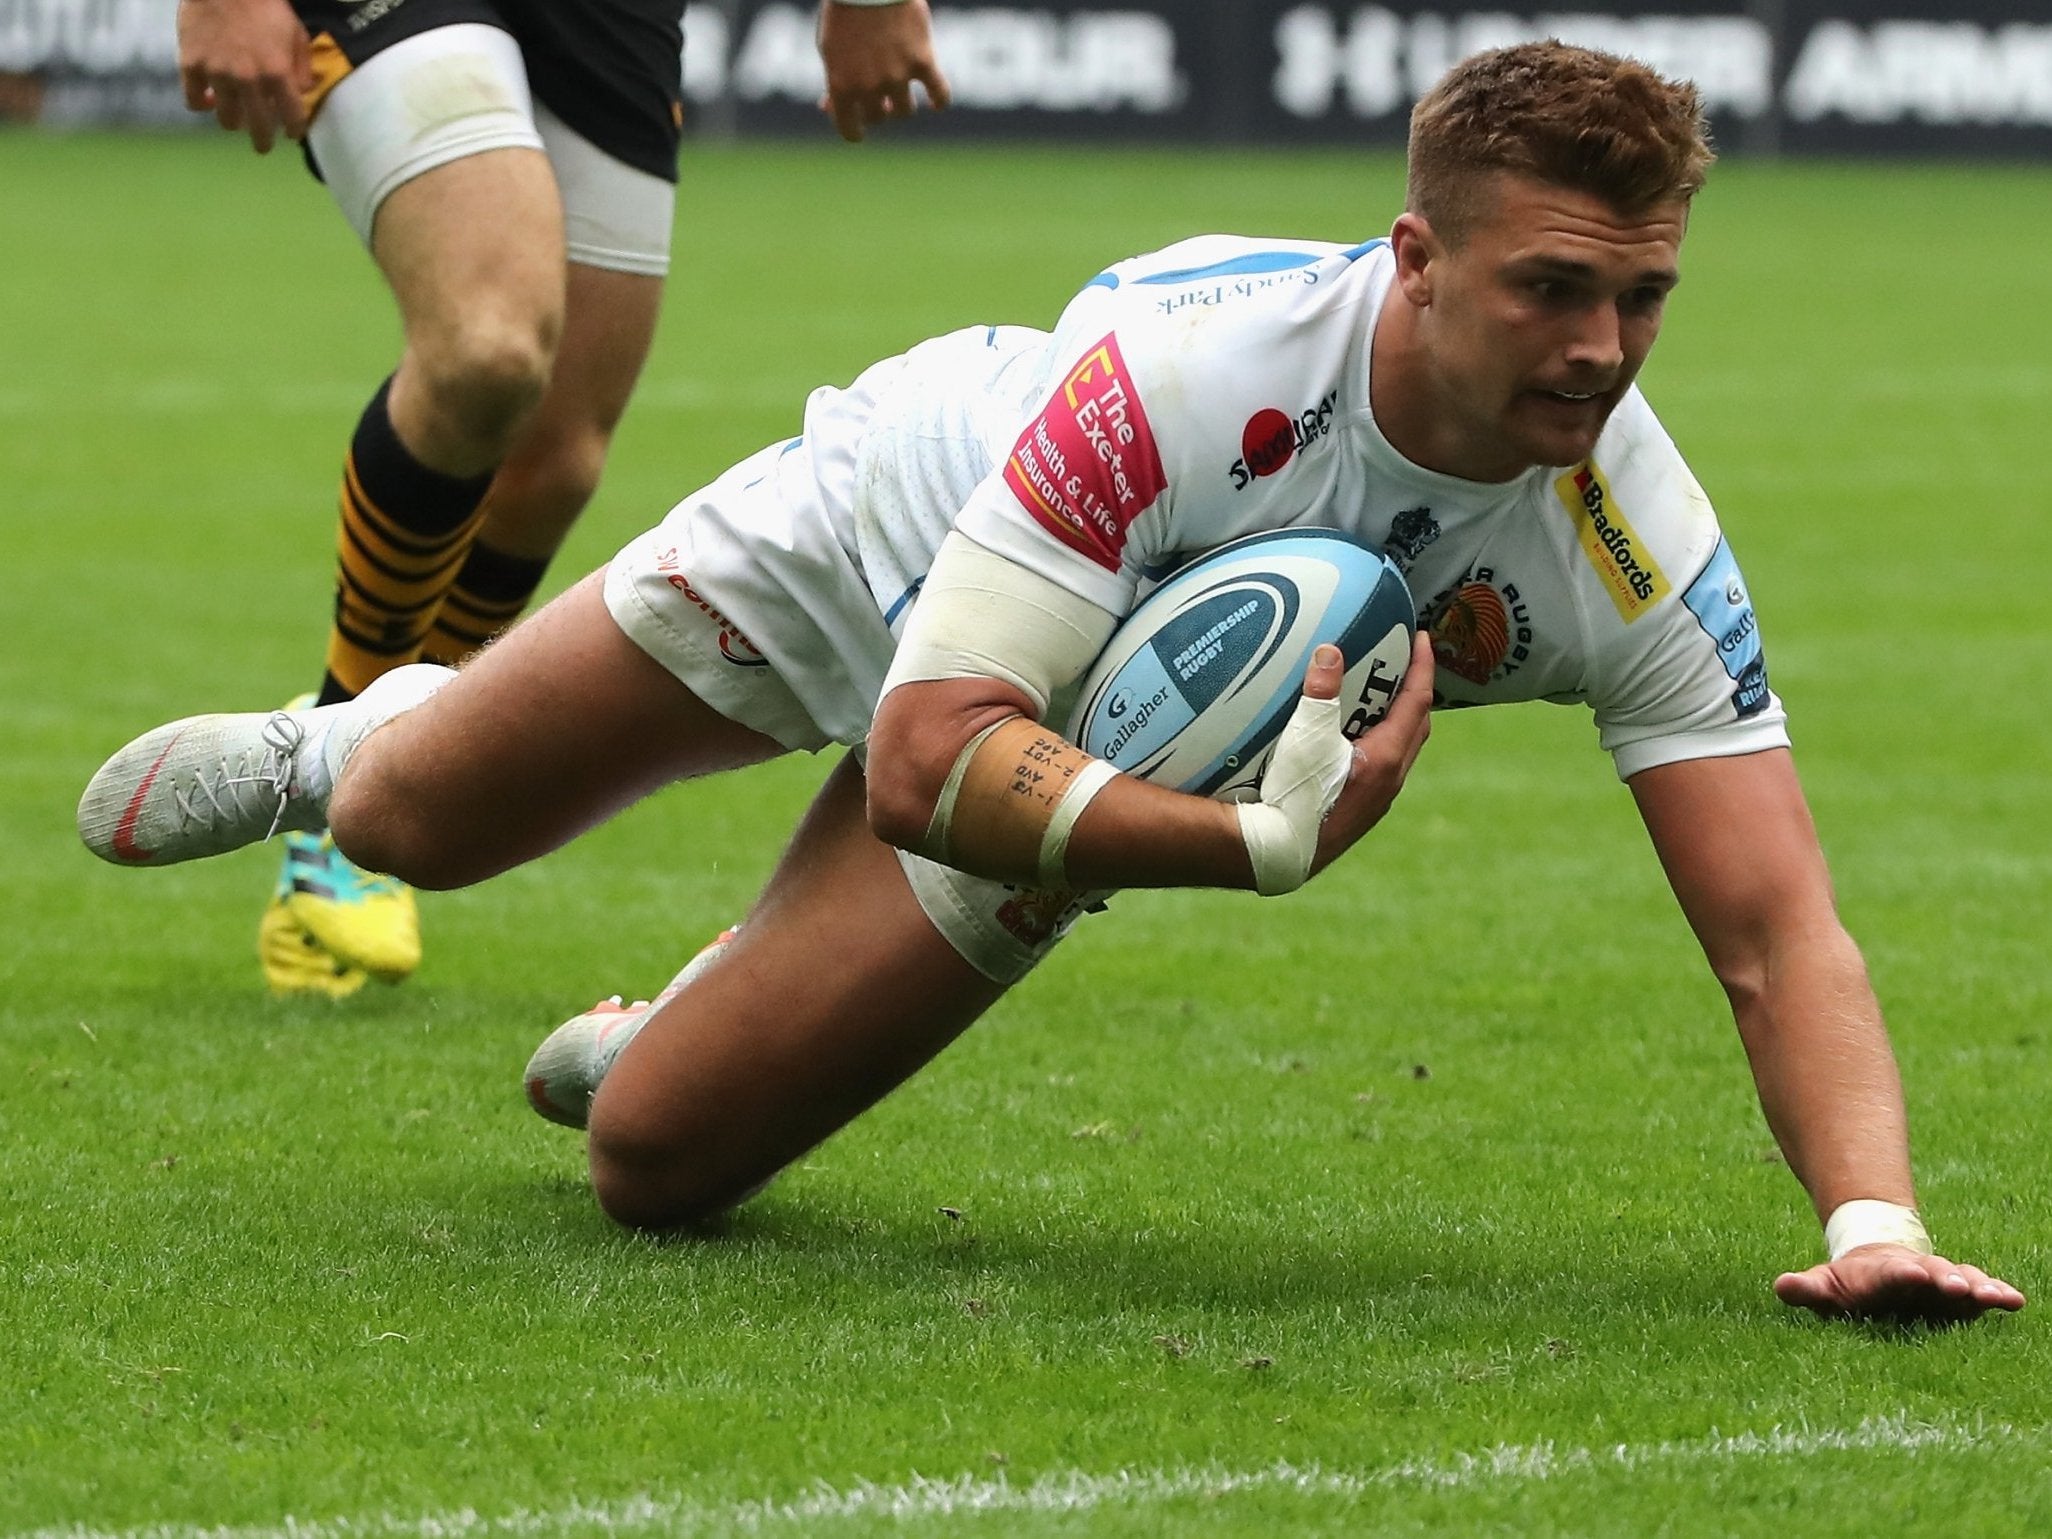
x: 1966, y: 77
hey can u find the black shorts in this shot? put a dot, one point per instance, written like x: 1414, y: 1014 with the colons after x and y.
x: 611, y: 69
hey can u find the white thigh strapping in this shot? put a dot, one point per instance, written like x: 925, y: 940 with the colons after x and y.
x: 615, y: 216
x: 434, y: 98
x: 461, y: 90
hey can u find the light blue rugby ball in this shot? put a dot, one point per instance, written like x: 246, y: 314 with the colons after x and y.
x: 1197, y: 682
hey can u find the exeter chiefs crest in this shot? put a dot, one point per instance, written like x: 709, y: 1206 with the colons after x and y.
x: 1481, y: 628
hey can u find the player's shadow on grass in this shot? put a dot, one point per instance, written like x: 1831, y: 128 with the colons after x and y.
x: 1227, y: 1263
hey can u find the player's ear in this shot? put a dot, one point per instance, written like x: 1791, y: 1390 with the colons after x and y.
x: 1416, y: 249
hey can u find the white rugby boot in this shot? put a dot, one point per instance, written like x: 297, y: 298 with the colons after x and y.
x: 202, y: 786
x: 566, y: 1069
x: 210, y: 784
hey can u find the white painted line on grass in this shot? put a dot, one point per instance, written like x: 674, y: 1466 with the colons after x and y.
x: 1076, y: 1491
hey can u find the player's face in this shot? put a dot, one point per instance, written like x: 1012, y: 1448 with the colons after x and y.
x: 1538, y: 322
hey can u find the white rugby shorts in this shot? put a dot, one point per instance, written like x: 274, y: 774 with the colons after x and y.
x: 759, y: 540
x: 460, y: 90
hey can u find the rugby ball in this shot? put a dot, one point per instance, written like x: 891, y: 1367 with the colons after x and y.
x: 1197, y: 682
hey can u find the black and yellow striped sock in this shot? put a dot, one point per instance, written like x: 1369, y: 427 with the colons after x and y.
x: 488, y: 595
x: 405, y: 532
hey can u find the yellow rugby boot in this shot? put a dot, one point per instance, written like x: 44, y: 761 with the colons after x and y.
x: 295, y: 963
x: 362, y: 919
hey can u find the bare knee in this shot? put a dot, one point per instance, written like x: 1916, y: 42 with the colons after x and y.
x: 478, y: 378
x: 658, y: 1180
x: 384, y: 825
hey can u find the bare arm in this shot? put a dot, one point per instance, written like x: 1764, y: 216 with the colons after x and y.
x: 248, y: 63
x: 873, y: 53
x: 1736, y: 839
x: 1131, y: 834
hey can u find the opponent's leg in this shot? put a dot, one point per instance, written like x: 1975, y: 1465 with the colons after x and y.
x: 555, y: 463
x: 472, y: 248
x: 835, y: 990
x: 617, y: 223
x: 430, y: 149
x: 481, y: 316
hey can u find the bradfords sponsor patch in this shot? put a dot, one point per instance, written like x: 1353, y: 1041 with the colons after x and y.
x: 1272, y: 438
x: 1087, y: 466
x: 1719, y: 601
x: 1630, y: 574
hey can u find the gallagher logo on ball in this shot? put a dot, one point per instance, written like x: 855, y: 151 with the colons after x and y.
x: 1272, y: 438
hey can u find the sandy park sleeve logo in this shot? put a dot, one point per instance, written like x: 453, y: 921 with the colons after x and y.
x: 1087, y: 466
x: 1630, y: 574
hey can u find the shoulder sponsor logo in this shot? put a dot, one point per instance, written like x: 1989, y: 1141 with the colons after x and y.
x: 1272, y: 438
x: 1481, y: 627
x: 1630, y: 574
x: 1721, y: 605
x: 1088, y: 465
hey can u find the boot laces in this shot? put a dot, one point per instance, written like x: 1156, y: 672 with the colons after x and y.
x: 237, y: 787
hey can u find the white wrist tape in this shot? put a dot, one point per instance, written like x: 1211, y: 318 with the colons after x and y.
x: 1303, y: 780
x: 1054, y: 844
x: 1869, y: 1221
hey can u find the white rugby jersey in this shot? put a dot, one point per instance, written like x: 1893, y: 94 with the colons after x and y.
x: 1219, y: 388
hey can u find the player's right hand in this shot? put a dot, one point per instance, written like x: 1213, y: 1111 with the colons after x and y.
x: 1382, y: 756
x: 1320, y: 793
x: 248, y: 63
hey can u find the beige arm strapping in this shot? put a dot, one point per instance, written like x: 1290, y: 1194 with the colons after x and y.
x: 1010, y: 802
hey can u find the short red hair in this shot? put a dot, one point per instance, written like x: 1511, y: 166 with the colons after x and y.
x: 1570, y: 116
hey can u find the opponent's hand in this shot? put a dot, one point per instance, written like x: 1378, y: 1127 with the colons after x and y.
x: 247, y: 62
x: 1893, y: 1282
x: 1382, y: 758
x: 873, y: 54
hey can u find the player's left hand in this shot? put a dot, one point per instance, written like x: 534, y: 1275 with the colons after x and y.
x: 873, y: 54
x: 1893, y: 1282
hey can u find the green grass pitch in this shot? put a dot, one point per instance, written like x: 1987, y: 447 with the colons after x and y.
x: 1431, y: 1199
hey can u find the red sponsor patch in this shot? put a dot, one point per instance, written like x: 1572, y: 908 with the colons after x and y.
x: 1030, y: 914
x: 1087, y: 466
x: 1268, y: 441
x: 734, y: 646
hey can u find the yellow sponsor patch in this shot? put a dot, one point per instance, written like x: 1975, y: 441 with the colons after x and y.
x: 1613, y: 546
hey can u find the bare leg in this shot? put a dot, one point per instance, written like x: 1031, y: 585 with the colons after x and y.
x: 556, y: 728
x: 483, y: 313
x: 554, y: 466
x: 836, y: 991
x: 555, y: 463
